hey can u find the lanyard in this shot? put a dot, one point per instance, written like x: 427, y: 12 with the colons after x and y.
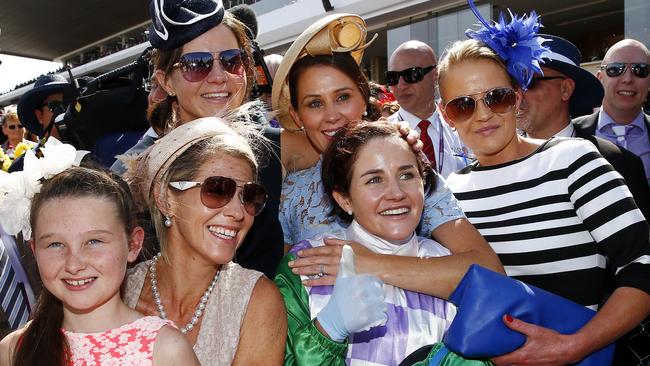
x: 441, y: 144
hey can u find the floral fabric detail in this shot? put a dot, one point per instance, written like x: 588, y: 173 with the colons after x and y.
x: 129, y: 345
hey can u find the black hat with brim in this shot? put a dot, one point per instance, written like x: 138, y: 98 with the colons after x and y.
x: 45, y: 86
x: 176, y: 22
x: 565, y: 58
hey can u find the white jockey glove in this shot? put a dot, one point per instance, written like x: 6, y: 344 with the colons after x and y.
x: 356, y: 304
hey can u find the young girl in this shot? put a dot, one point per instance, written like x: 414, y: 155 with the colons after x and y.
x: 84, y: 233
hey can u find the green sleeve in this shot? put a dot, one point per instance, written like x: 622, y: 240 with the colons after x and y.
x: 306, y: 345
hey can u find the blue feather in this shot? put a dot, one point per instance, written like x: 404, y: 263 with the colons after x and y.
x: 516, y: 42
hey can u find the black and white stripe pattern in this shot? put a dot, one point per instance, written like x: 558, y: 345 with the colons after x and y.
x: 561, y: 219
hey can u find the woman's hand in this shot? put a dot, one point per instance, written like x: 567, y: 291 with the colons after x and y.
x: 325, y: 260
x: 356, y: 304
x: 543, y: 347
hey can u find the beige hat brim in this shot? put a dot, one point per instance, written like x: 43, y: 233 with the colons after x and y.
x: 333, y: 33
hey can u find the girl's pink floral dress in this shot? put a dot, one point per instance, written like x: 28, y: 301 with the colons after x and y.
x: 130, y: 344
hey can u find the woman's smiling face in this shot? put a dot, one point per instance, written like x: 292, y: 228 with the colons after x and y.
x: 328, y: 100
x: 386, y: 192
x: 220, y: 91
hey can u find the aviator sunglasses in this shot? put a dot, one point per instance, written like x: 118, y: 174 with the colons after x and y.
x: 614, y: 69
x: 218, y: 191
x: 411, y: 75
x: 499, y: 100
x: 13, y: 127
x: 196, y: 66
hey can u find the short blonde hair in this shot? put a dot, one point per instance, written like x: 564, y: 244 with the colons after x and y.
x: 470, y: 49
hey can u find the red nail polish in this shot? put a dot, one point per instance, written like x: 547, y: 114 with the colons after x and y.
x: 508, y: 318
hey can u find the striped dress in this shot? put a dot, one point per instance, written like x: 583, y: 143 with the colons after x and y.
x: 561, y: 219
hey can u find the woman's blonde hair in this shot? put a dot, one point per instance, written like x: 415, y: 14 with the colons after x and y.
x: 470, y: 49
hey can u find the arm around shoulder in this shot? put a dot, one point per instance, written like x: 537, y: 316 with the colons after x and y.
x: 173, y: 348
x: 264, y: 329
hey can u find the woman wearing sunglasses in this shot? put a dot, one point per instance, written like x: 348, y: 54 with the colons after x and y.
x: 203, y: 63
x: 555, y: 211
x: 13, y: 129
x: 200, y: 184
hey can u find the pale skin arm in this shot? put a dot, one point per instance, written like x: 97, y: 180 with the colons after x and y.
x: 264, y: 329
x: 173, y: 348
x: 436, y: 276
x: 623, y: 311
x: 8, y: 346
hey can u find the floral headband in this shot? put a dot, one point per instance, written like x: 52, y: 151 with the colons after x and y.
x: 517, y: 43
x: 18, y: 188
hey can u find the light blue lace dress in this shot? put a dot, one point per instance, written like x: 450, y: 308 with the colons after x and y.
x: 305, y: 208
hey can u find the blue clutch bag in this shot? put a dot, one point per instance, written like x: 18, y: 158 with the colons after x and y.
x: 483, y: 297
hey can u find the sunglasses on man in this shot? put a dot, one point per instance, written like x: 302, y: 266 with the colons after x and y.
x: 13, y: 127
x: 218, y: 191
x: 498, y: 100
x: 52, y: 105
x: 615, y: 69
x: 535, y: 81
x: 196, y: 66
x: 411, y: 75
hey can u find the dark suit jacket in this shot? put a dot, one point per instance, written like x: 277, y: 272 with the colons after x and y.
x: 29, y: 265
x: 624, y: 161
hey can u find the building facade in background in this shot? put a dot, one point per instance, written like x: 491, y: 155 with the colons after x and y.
x: 592, y: 25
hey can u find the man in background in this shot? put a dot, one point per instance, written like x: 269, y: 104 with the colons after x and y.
x: 413, y: 78
x: 566, y: 90
x: 621, y: 120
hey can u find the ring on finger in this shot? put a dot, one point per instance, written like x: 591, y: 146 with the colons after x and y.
x: 321, y: 270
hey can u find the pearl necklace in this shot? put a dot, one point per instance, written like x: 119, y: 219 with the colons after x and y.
x: 161, y: 309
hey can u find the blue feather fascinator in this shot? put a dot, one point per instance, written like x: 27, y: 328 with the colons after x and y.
x: 516, y: 42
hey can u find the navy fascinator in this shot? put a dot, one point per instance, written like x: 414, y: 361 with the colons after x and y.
x: 176, y: 22
x: 516, y: 42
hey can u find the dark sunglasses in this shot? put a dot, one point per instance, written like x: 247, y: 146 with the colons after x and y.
x: 52, y: 105
x: 499, y: 100
x: 196, y: 66
x: 534, y: 81
x: 13, y: 127
x: 614, y: 69
x: 218, y: 191
x: 411, y: 75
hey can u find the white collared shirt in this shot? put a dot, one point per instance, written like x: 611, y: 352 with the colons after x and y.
x: 568, y: 131
x: 456, y: 155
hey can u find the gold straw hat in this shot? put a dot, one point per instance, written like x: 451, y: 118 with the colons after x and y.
x: 334, y: 33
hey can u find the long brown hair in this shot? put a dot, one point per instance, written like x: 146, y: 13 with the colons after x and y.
x: 164, y: 111
x: 42, y: 342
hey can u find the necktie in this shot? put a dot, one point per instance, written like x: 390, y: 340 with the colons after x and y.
x: 620, y: 135
x: 428, y: 144
x: 12, y: 295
